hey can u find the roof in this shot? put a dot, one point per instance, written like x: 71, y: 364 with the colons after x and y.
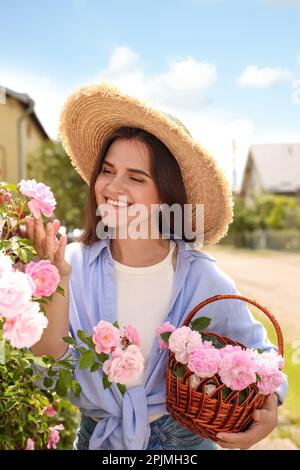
x: 277, y: 166
x: 25, y: 101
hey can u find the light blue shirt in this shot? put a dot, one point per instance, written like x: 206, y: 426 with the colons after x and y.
x: 124, y: 423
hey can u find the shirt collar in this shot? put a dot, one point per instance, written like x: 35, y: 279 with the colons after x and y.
x: 184, y: 249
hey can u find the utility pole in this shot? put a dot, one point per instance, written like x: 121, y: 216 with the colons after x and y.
x: 233, y: 166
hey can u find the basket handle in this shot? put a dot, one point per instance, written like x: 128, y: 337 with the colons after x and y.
x: 240, y: 297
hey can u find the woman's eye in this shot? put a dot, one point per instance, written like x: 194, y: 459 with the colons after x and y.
x: 105, y: 171
x: 135, y: 179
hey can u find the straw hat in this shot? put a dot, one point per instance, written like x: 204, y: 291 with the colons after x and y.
x: 93, y: 112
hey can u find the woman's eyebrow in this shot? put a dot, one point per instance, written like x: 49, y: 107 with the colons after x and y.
x: 133, y: 170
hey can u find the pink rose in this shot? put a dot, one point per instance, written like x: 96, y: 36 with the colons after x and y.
x: 106, y: 337
x: 271, y: 377
x: 26, y: 328
x: 54, y: 436
x: 45, y: 276
x: 237, y: 369
x: 204, y: 361
x: 5, y: 264
x: 42, y: 197
x: 16, y: 289
x: 132, y: 335
x: 49, y: 411
x: 30, y: 444
x: 125, y: 366
x: 164, y: 328
x: 182, y: 342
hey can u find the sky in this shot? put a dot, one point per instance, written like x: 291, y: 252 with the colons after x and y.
x: 228, y: 69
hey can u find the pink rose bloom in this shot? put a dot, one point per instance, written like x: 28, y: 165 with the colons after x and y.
x: 132, y: 335
x: 125, y: 366
x: 271, y: 379
x: 26, y: 328
x: 42, y: 197
x: 182, y: 342
x: 16, y: 289
x: 45, y: 276
x: 30, y: 444
x: 269, y: 364
x: 106, y: 337
x: 204, y: 361
x: 237, y: 369
x: 164, y: 328
x: 5, y: 264
x: 54, y: 436
x: 49, y: 411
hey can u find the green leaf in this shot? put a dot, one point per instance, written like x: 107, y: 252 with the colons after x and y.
x: 48, y: 382
x: 200, y: 323
x: 39, y: 361
x: 17, y: 375
x: 180, y: 371
x: 243, y: 396
x: 60, y: 290
x: 225, y: 392
x: 10, y: 186
x: 96, y: 366
x: 258, y: 377
x: 64, y: 382
x: 102, y: 357
x: 87, y: 360
x: 165, y: 336
x: 69, y: 340
x: 83, y: 336
x: 116, y: 325
x: 76, y: 388
x: 122, y: 388
x: 2, y: 351
x: 105, y: 381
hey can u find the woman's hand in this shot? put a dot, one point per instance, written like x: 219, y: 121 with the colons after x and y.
x: 265, y: 420
x: 47, y: 244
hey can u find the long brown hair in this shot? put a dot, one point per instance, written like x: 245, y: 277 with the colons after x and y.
x: 165, y: 172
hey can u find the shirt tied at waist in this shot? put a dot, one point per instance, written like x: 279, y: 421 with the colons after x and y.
x: 129, y: 431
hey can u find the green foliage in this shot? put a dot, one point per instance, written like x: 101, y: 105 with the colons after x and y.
x: 52, y: 166
x: 267, y: 211
x: 22, y: 402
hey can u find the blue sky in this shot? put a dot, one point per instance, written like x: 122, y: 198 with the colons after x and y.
x: 226, y: 68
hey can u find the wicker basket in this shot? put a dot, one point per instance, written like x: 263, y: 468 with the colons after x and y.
x: 204, y: 414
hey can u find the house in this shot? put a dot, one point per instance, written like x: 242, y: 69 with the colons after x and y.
x: 21, y: 133
x: 272, y: 169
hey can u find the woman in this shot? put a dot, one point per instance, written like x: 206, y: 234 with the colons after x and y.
x: 134, y: 157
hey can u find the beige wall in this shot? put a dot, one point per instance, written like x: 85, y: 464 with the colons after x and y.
x: 32, y: 139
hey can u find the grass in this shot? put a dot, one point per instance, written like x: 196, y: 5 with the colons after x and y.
x: 289, y: 412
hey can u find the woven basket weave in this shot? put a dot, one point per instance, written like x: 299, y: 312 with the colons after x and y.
x: 207, y: 415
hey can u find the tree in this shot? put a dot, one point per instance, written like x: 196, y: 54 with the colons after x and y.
x: 52, y: 166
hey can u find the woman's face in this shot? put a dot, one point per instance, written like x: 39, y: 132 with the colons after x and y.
x: 125, y: 176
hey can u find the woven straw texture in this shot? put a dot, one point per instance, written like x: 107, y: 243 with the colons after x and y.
x: 93, y: 112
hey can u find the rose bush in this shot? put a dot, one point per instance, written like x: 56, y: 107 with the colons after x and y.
x: 34, y: 389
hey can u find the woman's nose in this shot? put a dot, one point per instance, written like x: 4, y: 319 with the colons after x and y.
x: 116, y: 184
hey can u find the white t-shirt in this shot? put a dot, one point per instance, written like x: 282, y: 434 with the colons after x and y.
x: 143, y: 298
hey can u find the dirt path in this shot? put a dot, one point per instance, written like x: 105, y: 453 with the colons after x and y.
x: 270, y: 277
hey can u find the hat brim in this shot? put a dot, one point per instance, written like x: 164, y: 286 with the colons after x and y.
x: 93, y: 112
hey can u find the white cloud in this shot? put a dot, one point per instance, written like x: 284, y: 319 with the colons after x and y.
x: 298, y: 58
x: 183, y: 83
x: 181, y: 90
x: 264, y: 77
